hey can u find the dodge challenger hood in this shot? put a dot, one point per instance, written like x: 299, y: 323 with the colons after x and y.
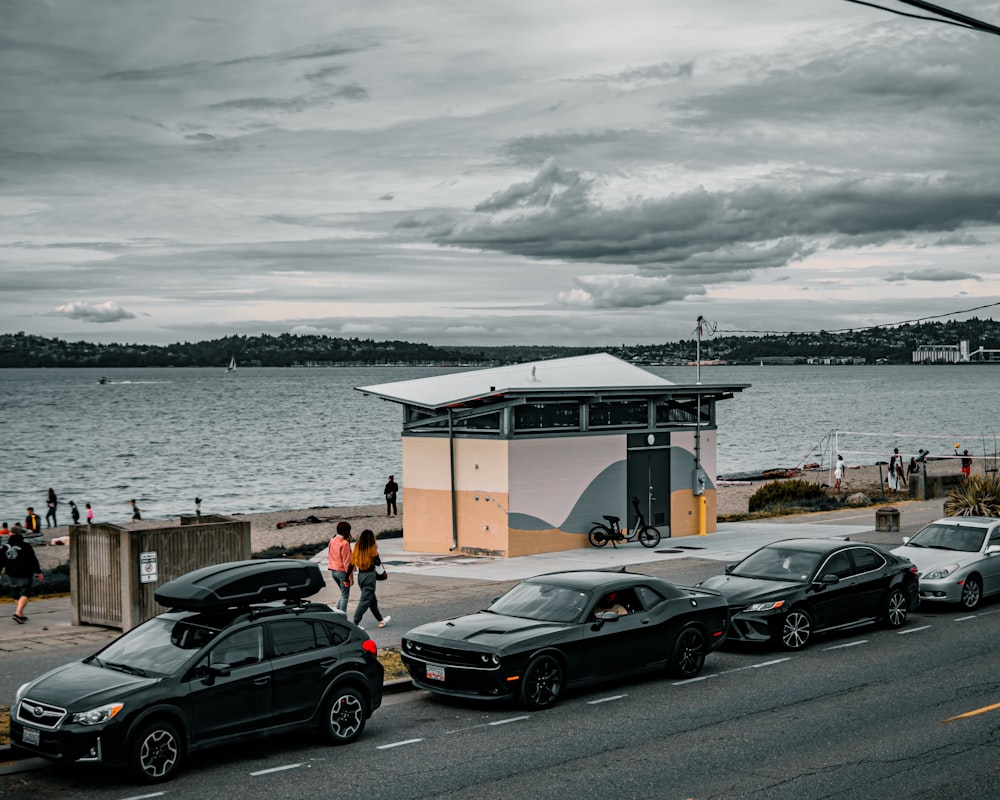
x: 77, y: 686
x: 485, y: 629
x: 738, y: 590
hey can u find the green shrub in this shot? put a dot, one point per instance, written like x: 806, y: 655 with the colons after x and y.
x: 976, y: 496
x: 795, y: 493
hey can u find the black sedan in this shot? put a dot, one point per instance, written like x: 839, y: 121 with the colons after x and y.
x: 567, y: 629
x: 787, y: 591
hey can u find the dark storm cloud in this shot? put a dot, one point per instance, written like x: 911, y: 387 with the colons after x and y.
x: 299, y: 103
x: 932, y: 275
x: 651, y: 73
x: 712, y: 236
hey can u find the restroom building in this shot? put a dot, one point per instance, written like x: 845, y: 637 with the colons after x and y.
x: 516, y: 460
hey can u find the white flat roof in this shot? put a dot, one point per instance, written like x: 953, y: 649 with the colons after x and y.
x: 590, y: 372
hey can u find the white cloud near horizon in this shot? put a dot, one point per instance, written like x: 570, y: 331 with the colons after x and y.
x: 491, y: 173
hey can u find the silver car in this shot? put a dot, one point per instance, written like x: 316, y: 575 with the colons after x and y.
x: 957, y: 558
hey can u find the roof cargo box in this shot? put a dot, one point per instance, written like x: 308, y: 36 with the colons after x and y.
x: 241, y: 583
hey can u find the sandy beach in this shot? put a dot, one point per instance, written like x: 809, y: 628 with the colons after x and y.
x: 294, y: 531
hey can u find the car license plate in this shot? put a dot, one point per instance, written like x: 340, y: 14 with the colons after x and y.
x: 435, y: 673
x: 30, y: 736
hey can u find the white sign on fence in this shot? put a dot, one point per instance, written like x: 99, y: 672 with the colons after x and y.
x: 147, y: 567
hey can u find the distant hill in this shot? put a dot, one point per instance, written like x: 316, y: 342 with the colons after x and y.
x: 893, y: 345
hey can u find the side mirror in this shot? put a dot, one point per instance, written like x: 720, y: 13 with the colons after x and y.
x: 993, y: 549
x: 827, y: 580
x: 219, y: 671
x: 906, y: 540
x: 731, y: 567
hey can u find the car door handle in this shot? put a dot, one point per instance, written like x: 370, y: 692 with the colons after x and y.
x: 263, y: 680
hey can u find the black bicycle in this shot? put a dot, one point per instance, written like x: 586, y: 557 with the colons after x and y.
x: 647, y: 535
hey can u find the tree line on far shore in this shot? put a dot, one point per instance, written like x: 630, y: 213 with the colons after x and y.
x: 892, y: 345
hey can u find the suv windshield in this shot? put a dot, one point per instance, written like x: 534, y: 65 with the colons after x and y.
x: 778, y: 563
x: 967, y: 538
x: 541, y: 601
x: 157, y: 647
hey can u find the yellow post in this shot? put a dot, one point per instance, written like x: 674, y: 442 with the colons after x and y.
x: 702, y: 515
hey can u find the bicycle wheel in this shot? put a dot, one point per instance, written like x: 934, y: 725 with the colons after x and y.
x: 598, y: 536
x: 649, y: 536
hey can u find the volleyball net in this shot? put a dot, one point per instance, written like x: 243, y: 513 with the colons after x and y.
x: 866, y: 447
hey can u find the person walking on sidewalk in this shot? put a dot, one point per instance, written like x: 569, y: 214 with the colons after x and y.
x: 364, y: 559
x: 18, y: 560
x: 338, y: 561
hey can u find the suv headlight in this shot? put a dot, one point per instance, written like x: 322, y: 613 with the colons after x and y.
x: 941, y: 572
x: 771, y: 605
x: 98, y: 715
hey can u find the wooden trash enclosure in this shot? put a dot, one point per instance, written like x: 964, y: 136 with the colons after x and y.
x: 115, y: 571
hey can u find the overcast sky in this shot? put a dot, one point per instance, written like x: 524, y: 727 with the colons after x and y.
x: 565, y: 172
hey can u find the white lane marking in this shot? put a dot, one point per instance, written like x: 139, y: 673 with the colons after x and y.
x: 505, y: 721
x: 397, y: 744
x: 846, y: 644
x: 912, y: 630
x: 274, y: 769
x: 986, y: 613
x: 757, y: 666
x: 695, y: 680
x: 144, y: 796
x: 606, y: 699
x: 964, y: 619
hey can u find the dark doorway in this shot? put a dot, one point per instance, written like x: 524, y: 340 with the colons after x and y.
x: 649, y: 480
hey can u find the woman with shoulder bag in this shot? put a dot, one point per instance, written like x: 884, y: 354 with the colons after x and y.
x: 365, y: 559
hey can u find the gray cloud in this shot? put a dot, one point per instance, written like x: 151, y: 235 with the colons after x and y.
x: 109, y: 311
x: 931, y: 275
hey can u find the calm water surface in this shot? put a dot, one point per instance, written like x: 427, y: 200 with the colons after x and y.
x: 273, y: 439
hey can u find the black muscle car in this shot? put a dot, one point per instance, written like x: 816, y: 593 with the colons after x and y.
x: 567, y: 629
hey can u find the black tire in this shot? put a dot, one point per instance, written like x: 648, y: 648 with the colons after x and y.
x: 897, y: 605
x: 972, y: 592
x: 344, y: 715
x: 688, y: 657
x: 542, y: 683
x: 795, y: 629
x: 649, y: 536
x: 156, y: 752
x: 598, y: 536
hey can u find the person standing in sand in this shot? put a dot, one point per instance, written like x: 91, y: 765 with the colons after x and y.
x: 338, y: 561
x: 895, y: 470
x: 391, y: 488
x: 838, y: 473
x: 365, y: 558
x: 50, y: 514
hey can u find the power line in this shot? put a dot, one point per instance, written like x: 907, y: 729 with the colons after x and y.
x: 951, y: 17
x: 868, y: 327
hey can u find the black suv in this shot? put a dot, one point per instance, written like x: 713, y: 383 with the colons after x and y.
x: 224, y: 664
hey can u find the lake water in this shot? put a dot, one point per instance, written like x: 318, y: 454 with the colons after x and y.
x: 272, y: 439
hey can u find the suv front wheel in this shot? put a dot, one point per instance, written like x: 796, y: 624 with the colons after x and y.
x: 156, y: 752
x: 343, y: 715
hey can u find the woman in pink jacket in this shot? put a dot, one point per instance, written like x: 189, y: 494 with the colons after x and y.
x: 339, y: 562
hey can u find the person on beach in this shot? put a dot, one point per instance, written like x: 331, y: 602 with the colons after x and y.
x: 838, y: 473
x: 4, y: 533
x: 966, y: 464
x: 895, y: 470
x: 197, y: 507
x: 390, y: 491
x: 74, y: 512
x: 913, y: 467
x: 338, y: 561
x: 50, y: 515
x: 32, y: 523
x: 364, y: 559
x: 136, y: 512
x: 90, y: 515
x: 18, y: 560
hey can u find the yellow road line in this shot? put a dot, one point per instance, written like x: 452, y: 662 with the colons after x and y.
x: 982, y: 710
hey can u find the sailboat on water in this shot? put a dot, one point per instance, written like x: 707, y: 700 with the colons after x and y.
x: 232, y: 364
